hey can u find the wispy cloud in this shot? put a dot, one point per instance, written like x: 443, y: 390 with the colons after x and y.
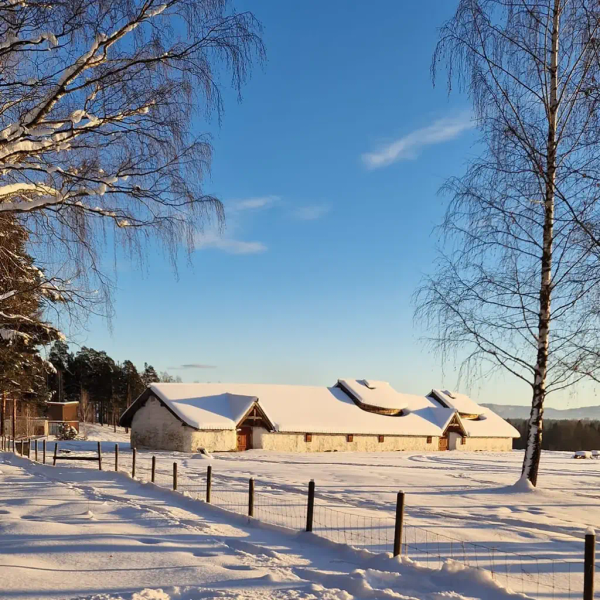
x: 252, y: 203
x: 311, y: 212
x: 193, y: 366
x: 212, y: 239
x: 411, y: 145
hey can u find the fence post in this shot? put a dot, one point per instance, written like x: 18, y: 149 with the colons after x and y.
x: 99, y: 456
x: 44, y: 451
x: 28, y: 447
x: 310, y: 510
x: 175, y: 476
x: 55, y: 453
x: 133, y: 464
x: 399, y: 524
x: 208, y: 483
x: 36, y: 451
x: 14, y: 446
x: 251, y: 497
x: 116, y: 457
x: 153, y: 468
x: 588, y: 569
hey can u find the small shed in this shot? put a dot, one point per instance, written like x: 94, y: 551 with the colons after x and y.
x: 62, y: 412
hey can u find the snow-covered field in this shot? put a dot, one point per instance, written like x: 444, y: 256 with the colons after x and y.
x: 81, y: 533
x: 458, y: 505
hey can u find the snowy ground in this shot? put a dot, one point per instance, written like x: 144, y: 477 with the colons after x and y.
x: 70, y: 532
x: 459, y: 505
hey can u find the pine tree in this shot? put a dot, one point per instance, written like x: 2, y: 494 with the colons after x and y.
x: 149, y: 375
x: 25, y: 294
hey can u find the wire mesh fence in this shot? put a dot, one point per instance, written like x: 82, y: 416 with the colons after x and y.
x: 536, y: 576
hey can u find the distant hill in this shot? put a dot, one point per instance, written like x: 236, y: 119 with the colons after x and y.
x: 514, y: 411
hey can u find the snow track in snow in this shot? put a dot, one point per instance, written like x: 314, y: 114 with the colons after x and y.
x: 77, y: 533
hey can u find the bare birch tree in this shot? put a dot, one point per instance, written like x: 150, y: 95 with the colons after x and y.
x: 517, y: 285
x: 102, y: 105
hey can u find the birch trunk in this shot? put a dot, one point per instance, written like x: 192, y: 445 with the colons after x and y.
x: 533, y: 449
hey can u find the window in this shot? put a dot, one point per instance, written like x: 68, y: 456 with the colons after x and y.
x: 308, y: 437
x: 350, y: 438
x: 380, y: 439
x: 429, y: 439
x: 463, y: 440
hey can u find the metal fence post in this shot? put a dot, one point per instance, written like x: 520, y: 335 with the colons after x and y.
x: 208, y: 483
x: 28, y: 447
x: 175, y: 476
x: 310, y: 509
x: 251, y: 497
x: 399, y: 524
x: 44, y: 451
x: 133, y: 452
x: 116, y: 457
x: 589, y: 564
x: 55, y: 453
x: 99, y: 456
x: 36, y: 451
x: 153, y: 468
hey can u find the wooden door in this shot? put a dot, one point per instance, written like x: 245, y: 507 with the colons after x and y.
x: 443, y: 445
x: 244, y: 439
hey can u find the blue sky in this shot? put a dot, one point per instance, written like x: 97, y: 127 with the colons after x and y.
x: 329, y: 170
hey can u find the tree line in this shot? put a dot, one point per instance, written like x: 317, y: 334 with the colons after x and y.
x: 104, y: 387
x: 563, y: 434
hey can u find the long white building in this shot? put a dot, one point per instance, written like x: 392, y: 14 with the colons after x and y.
x: 353, y: 415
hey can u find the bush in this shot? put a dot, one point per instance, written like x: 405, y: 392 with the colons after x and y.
x: 66, y: 432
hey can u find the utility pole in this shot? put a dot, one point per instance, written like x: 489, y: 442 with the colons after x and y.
x: 3, y: 414
x: 14, y: 419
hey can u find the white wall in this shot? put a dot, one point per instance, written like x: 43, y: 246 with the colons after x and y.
x: 294, y: 442
x: 154, y: 426
x: 486, y: 445
x: 213, y: 441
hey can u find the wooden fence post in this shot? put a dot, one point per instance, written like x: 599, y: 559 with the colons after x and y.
x: 14, y: 445
x: 36, y: 451
x: 28, y: 447
x: 116, y: 457
x: 208, y: 483
x: 99, y: 456
x: 589, y: 564
x: 310, y: 509
x: 175, y: 476
x: 399, y: 524
x: 55, y: 453
x: 133, y: 463
x: 153, y: 468
x: 251, y: 497
x: 21, y: 452
x: 44, y: 451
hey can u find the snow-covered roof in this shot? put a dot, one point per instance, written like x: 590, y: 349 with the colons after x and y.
x: 460, y: 402
x: 487, y: 424
x: 375, y: 393
x: 202, y: 410
x: 63, y: 403
x: 311, y: 409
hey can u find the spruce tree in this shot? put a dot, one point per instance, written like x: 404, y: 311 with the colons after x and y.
x: 25, y: 294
